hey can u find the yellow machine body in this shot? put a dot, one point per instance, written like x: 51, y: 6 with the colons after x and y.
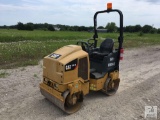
x: 66, y: 77
x: 70, y: 72
x: 60, y: 74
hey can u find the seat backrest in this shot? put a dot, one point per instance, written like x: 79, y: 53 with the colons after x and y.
x: 107, y: 46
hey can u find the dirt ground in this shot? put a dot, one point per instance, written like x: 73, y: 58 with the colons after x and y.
x: 20, y: 98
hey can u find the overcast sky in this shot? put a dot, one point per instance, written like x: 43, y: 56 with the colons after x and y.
x: 79, y: 12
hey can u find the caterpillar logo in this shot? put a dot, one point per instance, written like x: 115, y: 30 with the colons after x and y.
x: 71, y: 65
x: 54, y: 55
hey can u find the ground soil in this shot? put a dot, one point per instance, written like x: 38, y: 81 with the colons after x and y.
x: 20, y: 98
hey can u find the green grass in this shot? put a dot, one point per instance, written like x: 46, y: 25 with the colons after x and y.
x: 3, y: 74
x: 134, y: 40
x: 27, y: 53
x: 22, y: 48
x: 35, y: 75
x: 39, y: 35
x: 13, y: 35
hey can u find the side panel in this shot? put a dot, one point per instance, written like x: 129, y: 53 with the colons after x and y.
x: 72, y: 72
x: 97, y: 84
x: 70, y: 76
x: 50, y: 70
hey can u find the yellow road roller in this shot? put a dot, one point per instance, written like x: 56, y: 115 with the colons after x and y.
x: 72, y: 71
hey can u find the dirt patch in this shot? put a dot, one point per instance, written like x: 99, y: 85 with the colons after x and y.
x: 20, y: 97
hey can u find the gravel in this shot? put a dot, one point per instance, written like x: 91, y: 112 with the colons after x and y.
x: 20, y: 98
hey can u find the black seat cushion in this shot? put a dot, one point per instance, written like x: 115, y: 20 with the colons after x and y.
x: 106, y: 47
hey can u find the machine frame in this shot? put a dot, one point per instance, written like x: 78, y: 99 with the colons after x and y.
x: 70, y: 72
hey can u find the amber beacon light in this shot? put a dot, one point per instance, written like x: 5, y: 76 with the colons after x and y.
x: 109, y: 6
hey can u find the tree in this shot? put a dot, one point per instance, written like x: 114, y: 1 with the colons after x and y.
x: 158, y: 31
x: 45, y: 25
x: 153, y: 30
x: 137, y: 28
x: 29, y: 26
x: 51, y: 28
x: 20, y: 26
x: 129, y: 28
x: 100, y: 27
x: 75, y: 28
x: 82, y: 28
x: 146, y: 28
x: 111, y: 27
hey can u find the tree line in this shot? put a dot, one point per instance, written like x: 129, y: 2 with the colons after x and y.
x: 45, y: 26
x: 110, y: 27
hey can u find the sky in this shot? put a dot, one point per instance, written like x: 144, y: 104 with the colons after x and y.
x: 79, y: 12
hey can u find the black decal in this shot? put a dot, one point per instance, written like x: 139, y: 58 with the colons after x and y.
x: 71, y: 65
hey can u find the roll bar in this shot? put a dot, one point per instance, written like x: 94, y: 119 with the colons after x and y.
x: 120, y: 38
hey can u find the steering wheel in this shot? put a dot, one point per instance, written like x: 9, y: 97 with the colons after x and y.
x: 91, y: 44
x: 84, y: 45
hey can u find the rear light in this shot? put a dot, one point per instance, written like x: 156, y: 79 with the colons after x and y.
x: 121, y: 53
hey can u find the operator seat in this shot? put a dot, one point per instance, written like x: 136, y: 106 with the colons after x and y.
x: 106, y: 47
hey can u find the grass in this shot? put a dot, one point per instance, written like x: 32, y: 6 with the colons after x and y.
x: 35, y: 75
x: 3, y: 74
x: 26, y: 53
x: 39, y: 35
x: 22, y: 48
x: 23, y: 69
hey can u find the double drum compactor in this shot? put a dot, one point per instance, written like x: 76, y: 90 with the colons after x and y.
x: 70, y: 72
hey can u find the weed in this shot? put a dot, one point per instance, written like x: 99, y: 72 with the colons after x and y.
x: 35, y: 75
x: 3, y: 74
x: 23, y: 69
x: 140, y: 33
